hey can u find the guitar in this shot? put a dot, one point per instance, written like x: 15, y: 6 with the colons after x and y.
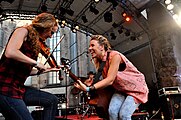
x: 100, y: 97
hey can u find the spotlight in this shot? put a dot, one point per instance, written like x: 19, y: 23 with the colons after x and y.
x: 167, y: 2
x: 62, y: 10
x: 126, y: 17
x: 127, y: 33
x: 114, y: 3
x: 70, y: 12
x: 133, y: 38
x: 113, y: 36
x: 108, y: 17
x: 74, y: 28
x: 115, y: 25
x: 1, y: 11
x: 44, y: 8
x: 10, y: 1
x: 63, y: 23
x: 124, y: 14
x: 120, y: 31
x: 84, y: 19
x: 94, y: 10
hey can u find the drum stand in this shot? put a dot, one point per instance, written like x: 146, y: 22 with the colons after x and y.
x: 88, y: 108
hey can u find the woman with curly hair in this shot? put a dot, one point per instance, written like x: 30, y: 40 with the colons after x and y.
x: 18, y: 62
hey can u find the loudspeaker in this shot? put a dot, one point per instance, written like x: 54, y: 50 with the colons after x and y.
x: 37, y: 114
x: 171, y: 106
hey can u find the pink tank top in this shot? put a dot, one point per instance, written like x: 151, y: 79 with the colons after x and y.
x: 130, y: 80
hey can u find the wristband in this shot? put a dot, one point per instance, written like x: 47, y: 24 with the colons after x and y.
x: 36, y: 65
x: 92, y: 87
x: 87, y: 89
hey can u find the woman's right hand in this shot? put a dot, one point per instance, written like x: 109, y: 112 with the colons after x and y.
x: 40, y: 66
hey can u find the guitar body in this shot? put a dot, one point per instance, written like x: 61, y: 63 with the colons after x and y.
x: 103, y: 97
x: 100, y: 97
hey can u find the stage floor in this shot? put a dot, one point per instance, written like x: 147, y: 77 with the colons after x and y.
x: 78, y: 117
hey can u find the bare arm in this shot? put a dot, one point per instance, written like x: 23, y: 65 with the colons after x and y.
x: 13, y: 48
x: 14, y: 45
x: 112, y: 72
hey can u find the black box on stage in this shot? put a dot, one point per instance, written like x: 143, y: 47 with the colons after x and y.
x: 140, y: 116
x: 171, y: 106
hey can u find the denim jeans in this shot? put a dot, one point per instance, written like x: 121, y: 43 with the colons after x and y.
x: 121, y: 107
x: 16, y: 109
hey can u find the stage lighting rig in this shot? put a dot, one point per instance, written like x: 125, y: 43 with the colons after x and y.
x: 9, y: 1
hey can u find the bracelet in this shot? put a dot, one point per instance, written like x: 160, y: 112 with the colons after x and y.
x: 92, y: 87
x: 36, y: 65
x: 87, y: 89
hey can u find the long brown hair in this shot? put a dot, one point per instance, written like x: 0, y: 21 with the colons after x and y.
x: 39, y: 24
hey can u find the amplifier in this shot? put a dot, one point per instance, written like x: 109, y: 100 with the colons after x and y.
x: 169, y: 90
x: 171, y: 106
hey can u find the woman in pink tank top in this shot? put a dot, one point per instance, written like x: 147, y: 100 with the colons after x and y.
x: 130, y: 87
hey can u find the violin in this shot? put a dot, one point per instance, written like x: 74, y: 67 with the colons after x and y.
x: 45, y: 51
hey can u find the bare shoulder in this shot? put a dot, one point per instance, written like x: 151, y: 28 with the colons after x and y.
x: 21, y: 31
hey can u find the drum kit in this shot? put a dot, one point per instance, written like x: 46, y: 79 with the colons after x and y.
x: 85, y: 105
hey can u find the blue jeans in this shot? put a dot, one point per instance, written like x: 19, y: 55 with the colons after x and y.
x: 121, y: 107
x: 16, y: 109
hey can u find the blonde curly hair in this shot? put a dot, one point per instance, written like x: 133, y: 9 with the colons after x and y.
x: 102, y: 41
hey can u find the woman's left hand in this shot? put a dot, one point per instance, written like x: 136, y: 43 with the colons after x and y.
x: 80, y: 85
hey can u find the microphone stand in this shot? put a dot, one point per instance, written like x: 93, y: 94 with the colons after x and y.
x: 66, y: 70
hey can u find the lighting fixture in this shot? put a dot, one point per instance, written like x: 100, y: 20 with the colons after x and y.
x: 115, y: 25
x: 10, y: 1
x: 127, y: 33
x: 113, y: 36
x: 94, y: 10
x: 133, y: 38
x: 70, y: 12
x: 84, y: 19
x: 120, y: 31
x: 44, y: 8
x: 167, y: 2
x: 108, y: 17
x: 170, y: 6
x: 74, y: 28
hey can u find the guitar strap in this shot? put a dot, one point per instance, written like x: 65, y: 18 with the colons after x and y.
x: 99, y: 72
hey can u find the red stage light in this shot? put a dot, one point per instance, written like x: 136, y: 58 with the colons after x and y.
x: 127, y: 18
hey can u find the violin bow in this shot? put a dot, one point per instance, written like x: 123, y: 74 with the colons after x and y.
x: 54, y: 48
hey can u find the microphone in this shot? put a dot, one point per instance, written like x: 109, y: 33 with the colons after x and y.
x: 66, y: 63
x: 87, y: 53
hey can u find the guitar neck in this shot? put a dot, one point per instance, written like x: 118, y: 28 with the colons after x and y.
x: 73, y: 76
